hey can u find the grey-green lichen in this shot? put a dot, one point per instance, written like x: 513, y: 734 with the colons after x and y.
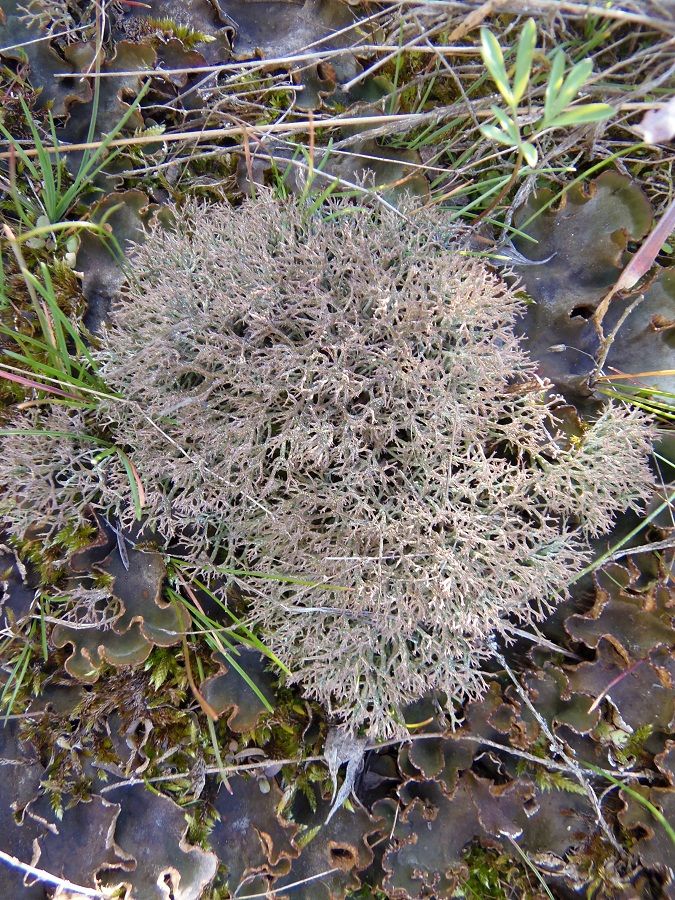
x: 340, y: 399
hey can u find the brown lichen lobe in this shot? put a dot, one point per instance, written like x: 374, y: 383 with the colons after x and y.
x: 342, y: 400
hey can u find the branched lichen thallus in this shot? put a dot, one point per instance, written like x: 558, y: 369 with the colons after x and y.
x: 339, y: 403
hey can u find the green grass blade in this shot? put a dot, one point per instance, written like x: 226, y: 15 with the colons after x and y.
x: 584, y: 176
x: 211, y: 628
x: 20, y: 153
x: 249, y: 681
x: 626, y: 538
x: 253, y: 640
x: 61, y: 320
x: 58, y: 166
x: 52, y: 433
x: 45, y: 369
x: 92, y: 165
x: 212, y: 730
x: 398, y: 66
x: 18, y: 673
x: 273, y: 576
x: 43, y: 629
x: 56, y: 322
x: 93, y: 119
x: 45, y: 165
x: 636, y: 795
x: 134, y: 484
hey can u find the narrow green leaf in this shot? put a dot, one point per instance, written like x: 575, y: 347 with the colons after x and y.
x: 581, y: 115
x: 493, y: 58
x: 52, y: 433
x: 524, y: 57
x: 231, y: 661
x: 4, y: 297
x: 43, y: 631
x: 66, y: 324
x: 251, y: 637
x: 20, y: 152
x: 636, y: 795
x: 58, y: 166
x: 496, y: 134
x: 44, y: 163
x: 86, y: 173
x: 576, y: 79
x: 528, y: 862
x: 287, y: 579
x: 529, y: 151
x: 322, y: 197
x: 555, y: 80
x: 61, y: 349
x: 44, y: 369
x: 482, y: 197
x: 92, y: 164
x: 134, y: 486
x: 218, y: 644
x: 508, y: 125
x: 18, y: 673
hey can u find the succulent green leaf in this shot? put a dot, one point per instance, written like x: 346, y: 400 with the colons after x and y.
x: 496, y: 134
x: 507, y: 124
x: 524, y: 56
x: 493, y: 58
x: 581, y: 115
x: 576, y: 79
x: 529, y: 151
x: 555, y: 82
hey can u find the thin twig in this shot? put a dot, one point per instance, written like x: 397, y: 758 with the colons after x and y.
x: 528, y: 862
x: 541, y: 641
x: 474, y: 19
x: 45, y: 37
x: 47, y: 877
x: 213, y: 770
x: 275, y: 62
x: 581, y: 10
x: 284, y: 887
x: 557, y: 746
x: 608, y: 340
x: 610, y: 554
x: 668, y: 544
x: 411, y: 120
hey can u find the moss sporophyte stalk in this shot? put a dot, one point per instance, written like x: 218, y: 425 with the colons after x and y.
x: 340, y: 399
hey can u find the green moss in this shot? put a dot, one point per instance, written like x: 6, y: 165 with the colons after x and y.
x: 74, y: 537
x: 556, y: 781
x: 47, y: 560
x: 189, y: 37
x: 494, y: 876
x: 626, y: 746
x: 200, y: 824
